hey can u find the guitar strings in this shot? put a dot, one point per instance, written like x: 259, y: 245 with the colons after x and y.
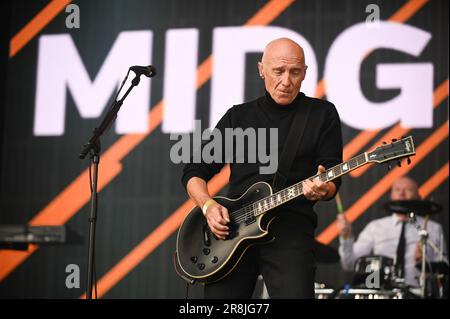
x: 252, y: 210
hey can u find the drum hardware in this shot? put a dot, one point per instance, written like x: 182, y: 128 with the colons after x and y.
x: 379, y: 268
x: 413, y: 208
x: 322, y: 291
x: 424, y: 243
x: 363, y: 293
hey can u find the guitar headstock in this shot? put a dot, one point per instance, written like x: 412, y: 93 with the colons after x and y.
x: 396, y: 150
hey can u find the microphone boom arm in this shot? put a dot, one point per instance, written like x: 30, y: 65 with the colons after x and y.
x: 107, y: 120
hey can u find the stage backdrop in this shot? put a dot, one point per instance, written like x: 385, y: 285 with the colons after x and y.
x: 384, y: 64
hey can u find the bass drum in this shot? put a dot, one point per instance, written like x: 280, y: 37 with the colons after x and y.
x: 374, y: 272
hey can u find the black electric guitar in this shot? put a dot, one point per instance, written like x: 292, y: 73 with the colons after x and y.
x: 200, y: 256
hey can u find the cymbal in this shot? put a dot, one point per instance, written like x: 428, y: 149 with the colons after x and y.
x: 325, y: 254
x: 419, y: 207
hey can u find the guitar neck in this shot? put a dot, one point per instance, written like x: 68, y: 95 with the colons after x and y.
x: 296, y: 190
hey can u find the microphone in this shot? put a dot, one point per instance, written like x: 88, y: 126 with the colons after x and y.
x: 148, y: 71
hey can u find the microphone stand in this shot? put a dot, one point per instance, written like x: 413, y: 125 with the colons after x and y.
x: 93, y: 147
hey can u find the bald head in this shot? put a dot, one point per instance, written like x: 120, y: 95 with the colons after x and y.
x: 283, y: 70
x: 404, y: 188
x: 283, y: 48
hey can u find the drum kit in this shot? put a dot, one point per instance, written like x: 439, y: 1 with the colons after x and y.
x: 375, y: 277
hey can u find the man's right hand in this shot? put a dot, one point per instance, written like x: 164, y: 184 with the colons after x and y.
x: 343, y: 226
x: 217, y: 217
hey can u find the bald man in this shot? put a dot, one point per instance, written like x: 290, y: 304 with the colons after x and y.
x: 381, y: 236
x: 287, y: 263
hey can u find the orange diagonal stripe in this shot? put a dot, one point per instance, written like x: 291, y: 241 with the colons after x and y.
x: 35, y: 25
x: 320, y: 89
x: 397, y: 131
x: 358, y: 142
x: 263, y: 17
x: 408, y: 10
x: 77, y: 194
x: 268, y: 13
x: 375, y: 192
x: 155, y: 238
x: 74, y: 196
x: 434, y: 181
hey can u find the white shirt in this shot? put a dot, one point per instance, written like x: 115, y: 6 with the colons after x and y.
x: 381, y: 237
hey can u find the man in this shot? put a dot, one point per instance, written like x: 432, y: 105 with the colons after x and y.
x: 287, y: 263
x: 382, y: 236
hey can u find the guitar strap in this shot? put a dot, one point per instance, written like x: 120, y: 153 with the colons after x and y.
x: 292, y: 144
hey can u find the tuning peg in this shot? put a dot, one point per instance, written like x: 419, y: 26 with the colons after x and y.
x: 408, y: 160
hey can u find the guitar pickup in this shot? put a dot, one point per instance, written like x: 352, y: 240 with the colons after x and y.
x: 250, y: 220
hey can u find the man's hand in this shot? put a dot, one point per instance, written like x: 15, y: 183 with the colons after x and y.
x: 344, y: 227
x: 218, y: 218
x: 317, y: 190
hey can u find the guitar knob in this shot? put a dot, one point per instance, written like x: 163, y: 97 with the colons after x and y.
x: 194, y: 259
x: 201, y: 266
x: 214, y: 259
x: 206, y: 251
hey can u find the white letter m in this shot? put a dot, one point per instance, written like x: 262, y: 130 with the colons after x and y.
x: 60, y: 66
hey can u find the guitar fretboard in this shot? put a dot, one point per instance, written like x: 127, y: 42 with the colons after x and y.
x: 296, y: 190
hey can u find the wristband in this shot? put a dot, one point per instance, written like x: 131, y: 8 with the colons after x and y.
x: 207, y: 204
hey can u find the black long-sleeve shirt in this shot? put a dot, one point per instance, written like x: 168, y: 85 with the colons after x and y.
x: 321, y: 145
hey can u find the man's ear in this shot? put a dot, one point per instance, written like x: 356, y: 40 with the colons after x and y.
x: 261, y: 69
x: 304, y: 72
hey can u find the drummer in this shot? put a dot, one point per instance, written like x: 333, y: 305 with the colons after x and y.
x: 382, y: 236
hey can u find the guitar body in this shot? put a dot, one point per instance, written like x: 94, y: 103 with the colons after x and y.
x: 200, y: 256
x: 203, y: 257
